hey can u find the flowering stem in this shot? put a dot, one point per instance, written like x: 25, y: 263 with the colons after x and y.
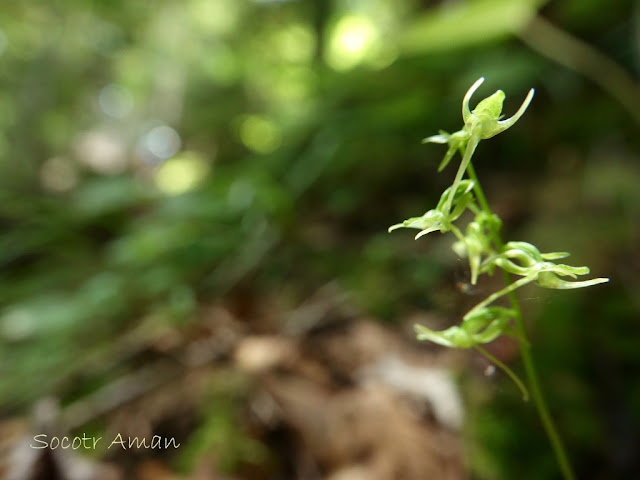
x: 466, y: 160
x: 527, y: 358
x: 477, y: 188
x: 536, y: 393
x: 511, y: 287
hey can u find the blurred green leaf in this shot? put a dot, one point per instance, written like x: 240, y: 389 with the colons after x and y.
x: 466, y: 24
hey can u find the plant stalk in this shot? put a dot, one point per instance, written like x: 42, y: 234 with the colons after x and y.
x: 527, y: 358
x: 511, y: 287
x: 536, y: 393
x: 466, y: 161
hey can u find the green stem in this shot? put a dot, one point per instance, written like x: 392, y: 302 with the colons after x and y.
x: 527, y: 358
x: 466, y: 160
x: 477, y: 188
x: 510, y: 288
x: 456, y: 231
x: 536, y: 392
x: 507, y: 370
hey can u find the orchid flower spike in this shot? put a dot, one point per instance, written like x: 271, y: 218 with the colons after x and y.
x: 484, y: 120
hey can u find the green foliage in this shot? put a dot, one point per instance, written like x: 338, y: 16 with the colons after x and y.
x: 468, y: 23
x: 220, y: 431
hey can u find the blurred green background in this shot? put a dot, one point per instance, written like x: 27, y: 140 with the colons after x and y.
x: 158, y: 156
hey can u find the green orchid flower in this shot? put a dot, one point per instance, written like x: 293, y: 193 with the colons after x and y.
x: 478, y: 327
x: 438, y: 219
x: 481, y: 123
x: 476, y: 243
x: 484, y: 120
x: 524, y: 259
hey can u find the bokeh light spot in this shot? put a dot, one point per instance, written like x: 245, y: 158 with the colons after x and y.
x: 260, y: 134
x: 158, y: 144
x: 181, y: 173
x: 215, y: 16
x: 163, y: 141
x: 102, y: 151
x: 352, y: 40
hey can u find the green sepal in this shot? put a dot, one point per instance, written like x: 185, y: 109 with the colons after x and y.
x: 490, y: 107
x: 549, y: 280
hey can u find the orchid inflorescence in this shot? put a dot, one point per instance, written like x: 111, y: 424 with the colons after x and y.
x: 480, y: 243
